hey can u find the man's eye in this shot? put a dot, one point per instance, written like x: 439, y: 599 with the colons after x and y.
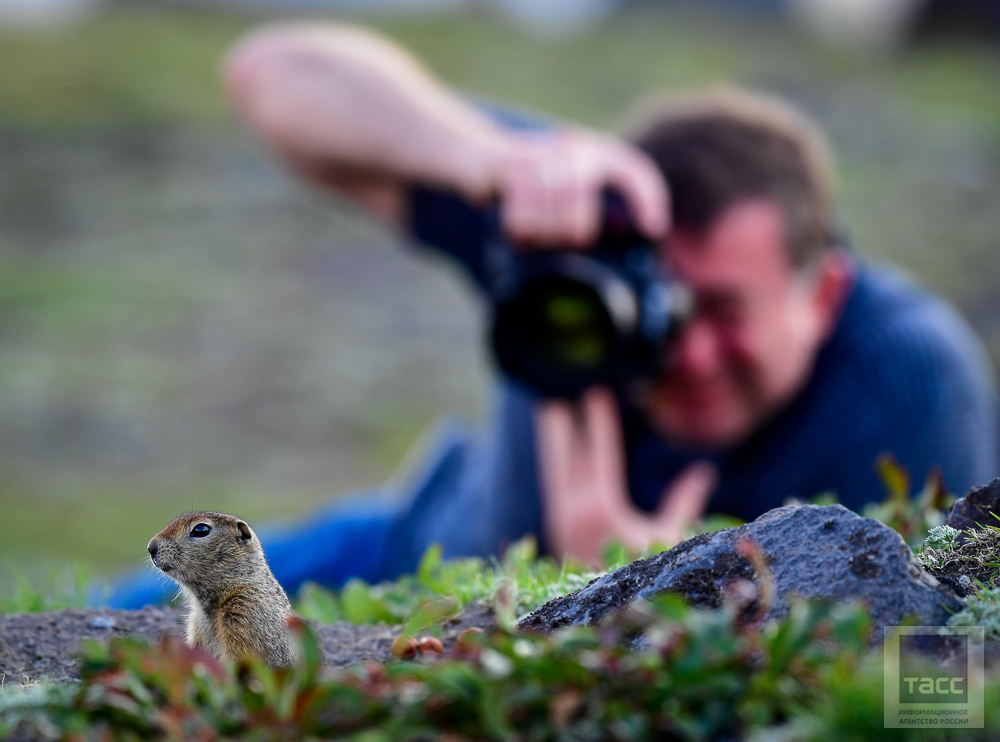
x: 723, y: 313
x: 201, y: 530
x: 723, y: 309
x: 728, y: 317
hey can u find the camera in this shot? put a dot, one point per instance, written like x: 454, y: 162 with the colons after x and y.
x: 566, y: 319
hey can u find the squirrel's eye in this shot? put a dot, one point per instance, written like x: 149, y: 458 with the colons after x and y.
x: 200, y: 530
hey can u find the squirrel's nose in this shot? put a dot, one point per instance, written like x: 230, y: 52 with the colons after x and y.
x: 153, y: 547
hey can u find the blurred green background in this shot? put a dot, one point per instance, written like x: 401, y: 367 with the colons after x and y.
x: 183, y: 326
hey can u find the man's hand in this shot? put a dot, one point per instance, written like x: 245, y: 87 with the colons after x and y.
x: 584, y: 492
x: 550, y: 185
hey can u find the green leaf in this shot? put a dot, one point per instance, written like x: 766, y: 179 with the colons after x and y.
x: 360, y: 606
x: 318, y: 604
x: 431, y: 611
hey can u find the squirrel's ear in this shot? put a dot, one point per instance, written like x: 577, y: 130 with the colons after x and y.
x: 246, y: 535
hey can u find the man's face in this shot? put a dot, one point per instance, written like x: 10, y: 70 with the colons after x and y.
x: 750, y: 345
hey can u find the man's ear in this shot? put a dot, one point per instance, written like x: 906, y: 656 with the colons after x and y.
x: 834, y: 278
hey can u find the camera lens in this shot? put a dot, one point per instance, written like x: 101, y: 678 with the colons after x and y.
x: 564, y: 320
x: 566, y: 324
x: 562, y: 329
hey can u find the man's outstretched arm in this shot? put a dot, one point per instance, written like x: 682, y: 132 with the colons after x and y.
x: 351, y: 110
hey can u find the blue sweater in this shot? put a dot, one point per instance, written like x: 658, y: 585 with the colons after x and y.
x: 902, y: 373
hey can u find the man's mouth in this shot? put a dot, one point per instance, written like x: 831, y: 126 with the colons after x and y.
x: 700, y: 393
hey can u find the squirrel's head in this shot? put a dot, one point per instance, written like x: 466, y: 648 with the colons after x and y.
x: 208, y: 553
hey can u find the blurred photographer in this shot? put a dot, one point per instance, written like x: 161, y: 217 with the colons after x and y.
x: 797, y: 367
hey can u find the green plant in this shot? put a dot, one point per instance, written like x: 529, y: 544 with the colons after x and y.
x: 58, y: 591
x: 517, y: 584
x: 912, y: 516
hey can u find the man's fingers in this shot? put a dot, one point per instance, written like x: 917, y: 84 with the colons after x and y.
x: 557, y: 440
x: 578, y: 211
x: 551, y: 189
x: 686, y: 497
x: 525, y: 208
x: 604, y: 440
x: 645, y: 192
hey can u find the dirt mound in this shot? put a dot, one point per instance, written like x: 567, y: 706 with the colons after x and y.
x: 37, y: 645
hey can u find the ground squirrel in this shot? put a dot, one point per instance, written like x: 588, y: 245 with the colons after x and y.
x: 237, y: 608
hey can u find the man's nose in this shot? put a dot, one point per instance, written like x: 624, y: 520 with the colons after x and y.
x: 697, y: 348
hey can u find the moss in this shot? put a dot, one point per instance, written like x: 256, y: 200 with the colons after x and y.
x: 968, y: 562
x: 982, y: 609
x: 946, y: 555
x: 940, y: 542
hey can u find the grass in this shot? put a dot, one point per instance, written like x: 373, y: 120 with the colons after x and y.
x: 58, y: 591
x: 127, y: 66
x: 134, y: 65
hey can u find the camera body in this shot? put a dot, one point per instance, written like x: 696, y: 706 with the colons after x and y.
x: 566, y: 319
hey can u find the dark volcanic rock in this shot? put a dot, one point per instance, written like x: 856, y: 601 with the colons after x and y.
x: 823, y: 552
x: 977, y: 507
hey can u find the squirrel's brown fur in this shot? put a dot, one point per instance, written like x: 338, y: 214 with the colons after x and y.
x: 237, y: 608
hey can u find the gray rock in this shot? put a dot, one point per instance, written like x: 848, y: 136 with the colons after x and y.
x: 815, y: 551
x: 103, y: 621
x: 977, y: 507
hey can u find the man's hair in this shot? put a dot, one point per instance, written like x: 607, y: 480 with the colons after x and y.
x: 725, y: 146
